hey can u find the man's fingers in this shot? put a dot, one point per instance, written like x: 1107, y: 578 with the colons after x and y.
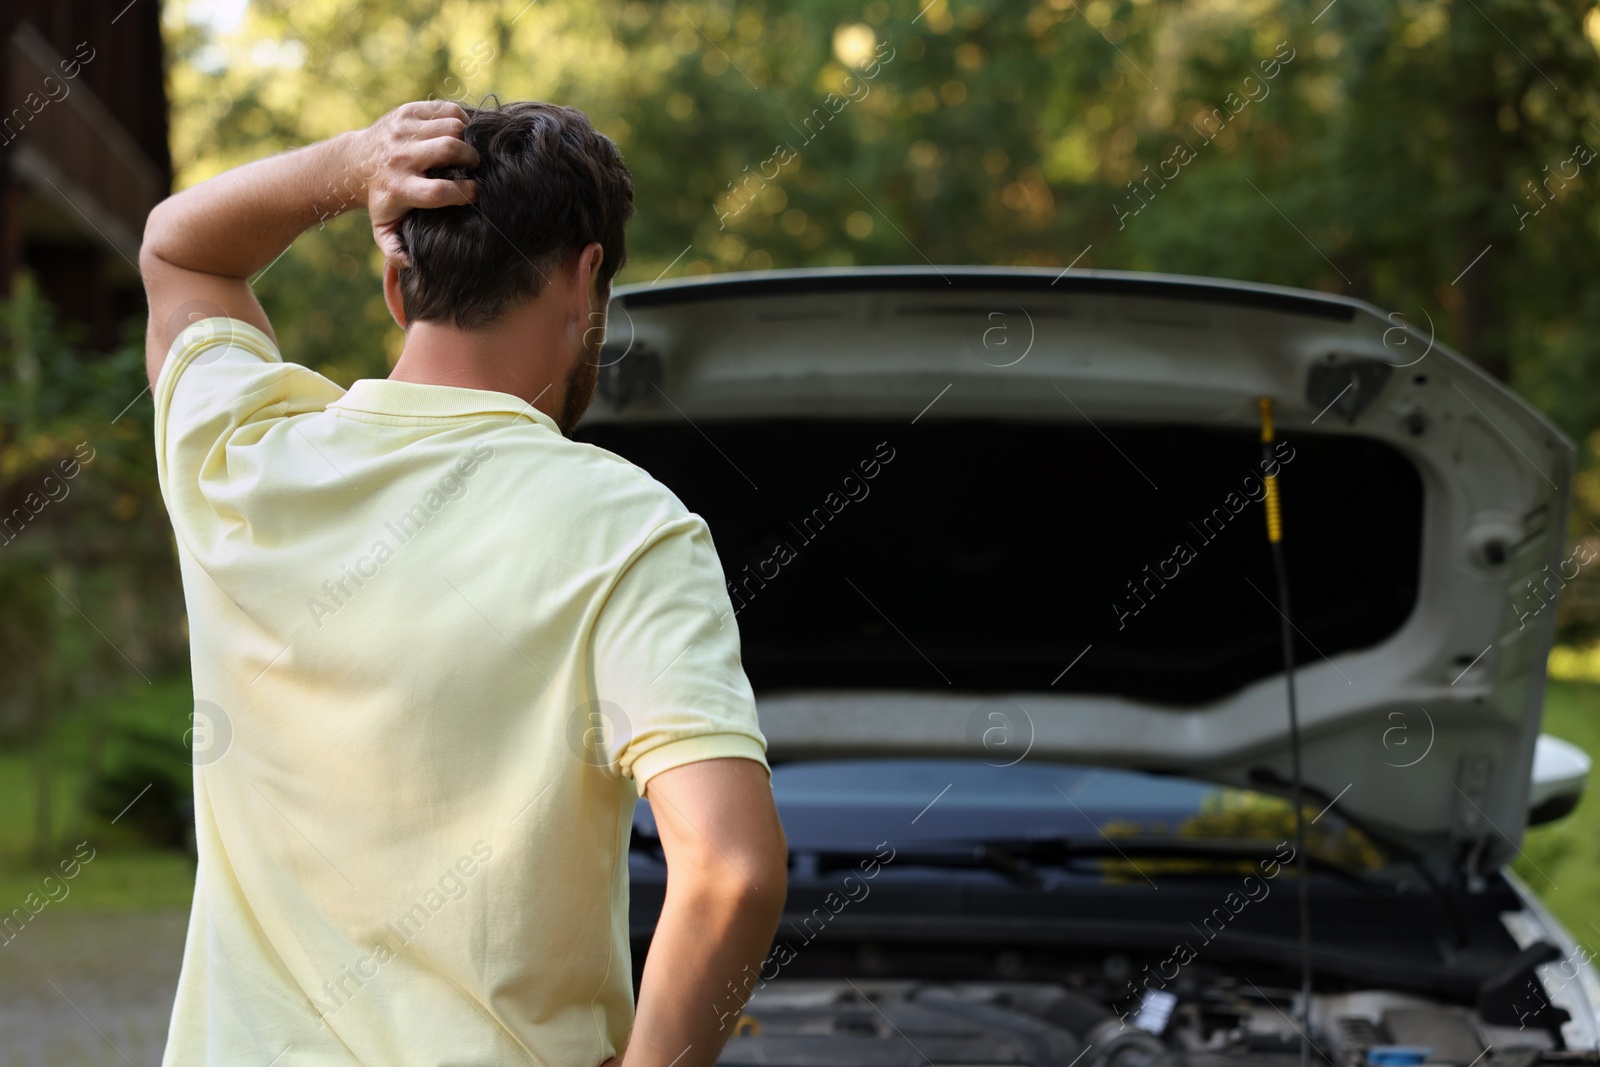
x: 390, y: 247
x: 441, y: 152
x: 432, y: 109
x: 436, y: 192
x: 411, y: 140
x: 429, y: 129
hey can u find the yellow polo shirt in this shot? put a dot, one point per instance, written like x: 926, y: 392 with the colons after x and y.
x: 438, y: 651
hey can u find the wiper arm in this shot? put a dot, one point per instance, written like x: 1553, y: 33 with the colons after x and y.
x: 1060, y: 851
x: 982, y: 855
x: 1014, y: 867
x: 1220, y: 848
x: 1266, y: 776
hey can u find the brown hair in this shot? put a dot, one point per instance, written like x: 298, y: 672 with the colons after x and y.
x: 548, y: 182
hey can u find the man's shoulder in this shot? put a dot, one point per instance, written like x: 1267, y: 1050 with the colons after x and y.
x: 597, y: 485
x: 220, y: 376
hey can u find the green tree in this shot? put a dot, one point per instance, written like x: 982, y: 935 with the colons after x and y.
x: 88, y: 582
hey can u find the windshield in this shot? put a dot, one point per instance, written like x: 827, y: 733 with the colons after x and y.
x: 1130, y: 824
x: 986, y: 555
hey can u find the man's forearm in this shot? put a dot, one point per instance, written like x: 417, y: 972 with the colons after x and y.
x: 240, y: 221
x: 705, y: 959
x: 203, y: 245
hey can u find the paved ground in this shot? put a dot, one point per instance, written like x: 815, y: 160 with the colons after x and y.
x: 82, y: 989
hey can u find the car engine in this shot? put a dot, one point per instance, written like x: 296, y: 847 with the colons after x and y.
x: 876, y: 1023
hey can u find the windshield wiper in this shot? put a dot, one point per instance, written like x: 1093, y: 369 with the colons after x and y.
x: 1025, y: 855
x: 1418, y: 863
x: 975, y: 855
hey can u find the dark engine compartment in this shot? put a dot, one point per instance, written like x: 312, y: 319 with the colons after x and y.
x: 959, y: 968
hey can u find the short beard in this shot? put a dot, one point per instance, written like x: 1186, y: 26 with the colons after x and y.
x: 581, y: 380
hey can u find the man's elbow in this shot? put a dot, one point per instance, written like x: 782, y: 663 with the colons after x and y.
x: 751, y: 891
x: 156, y: 236
x: 771, y: 889
x: 770, y: 879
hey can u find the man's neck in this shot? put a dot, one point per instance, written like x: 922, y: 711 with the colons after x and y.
x: 436, y: 354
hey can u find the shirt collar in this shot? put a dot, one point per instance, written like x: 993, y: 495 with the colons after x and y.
x: 381, y: 396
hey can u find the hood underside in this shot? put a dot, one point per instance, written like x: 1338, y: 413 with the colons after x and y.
x: 970, y: 511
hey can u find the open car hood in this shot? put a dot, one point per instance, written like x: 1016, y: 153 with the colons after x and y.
x: 1066, y: 433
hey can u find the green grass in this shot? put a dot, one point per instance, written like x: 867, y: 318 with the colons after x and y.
x: 126, y: 873
x: 1567, y: 851
x: 127, y: 880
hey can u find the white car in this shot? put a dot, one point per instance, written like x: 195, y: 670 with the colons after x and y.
x: 997, y: 553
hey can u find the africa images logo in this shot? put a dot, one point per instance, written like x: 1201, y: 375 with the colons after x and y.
x: 851, y: 490
x: 452, y: 885
x: 1210, y: 528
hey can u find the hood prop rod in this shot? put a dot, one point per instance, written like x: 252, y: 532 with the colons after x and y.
x: 1302, y: 883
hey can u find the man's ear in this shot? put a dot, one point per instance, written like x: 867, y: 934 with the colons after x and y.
x: 589, y: 261
x: 391, y: 293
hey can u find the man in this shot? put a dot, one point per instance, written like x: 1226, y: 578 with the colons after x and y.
x: 439, y: 649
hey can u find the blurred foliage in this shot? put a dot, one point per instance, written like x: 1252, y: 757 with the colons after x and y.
x: 1240, y: 813
x: 95, y: 766
x: 1366, y: 148
x: 1252, y: 819
x: 156, y: 765
x: 88, y: 579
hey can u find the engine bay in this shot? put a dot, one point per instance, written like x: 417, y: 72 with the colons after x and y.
x: 868, y: 1022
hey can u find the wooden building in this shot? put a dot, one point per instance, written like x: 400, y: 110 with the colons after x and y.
x: 83, y: 136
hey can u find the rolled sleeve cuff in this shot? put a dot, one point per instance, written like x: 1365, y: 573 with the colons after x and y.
x: 693, y: 750
x: 201, y: 337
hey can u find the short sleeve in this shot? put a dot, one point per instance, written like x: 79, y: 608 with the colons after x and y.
x: 222, y: 374
x: 666, y: 660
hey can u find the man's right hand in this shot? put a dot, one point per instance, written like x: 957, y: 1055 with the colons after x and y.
x: 393, y: 157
